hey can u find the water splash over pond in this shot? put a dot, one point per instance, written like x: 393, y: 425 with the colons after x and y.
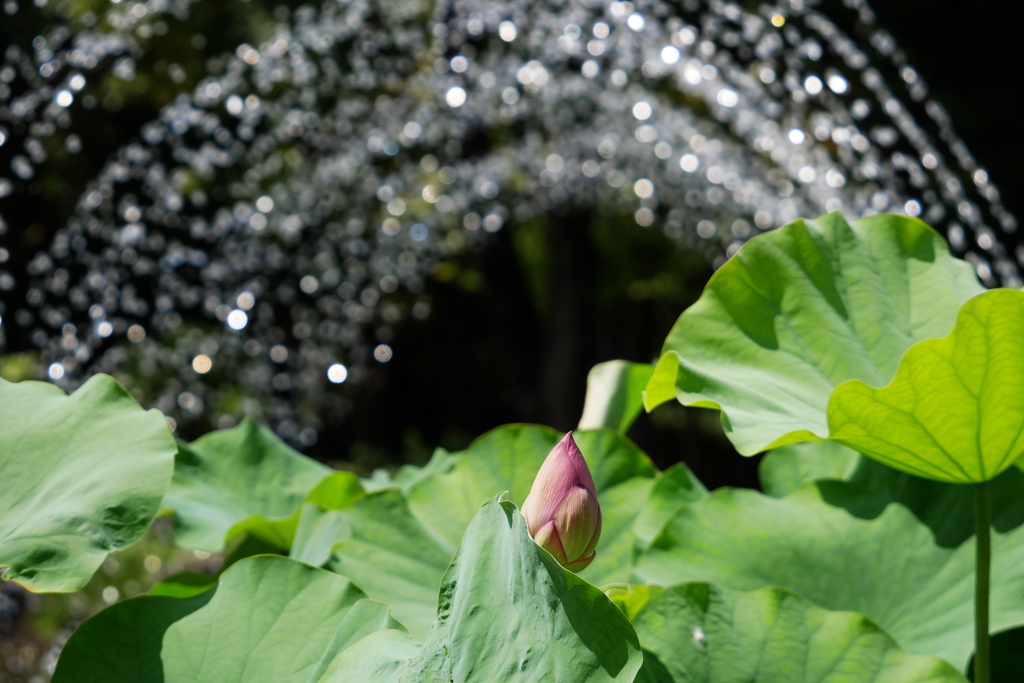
x: 278, y: 219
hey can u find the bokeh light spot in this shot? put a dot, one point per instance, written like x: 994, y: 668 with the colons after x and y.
x: 237, y: 319
x: 337, y: 373
x: 202, y: 364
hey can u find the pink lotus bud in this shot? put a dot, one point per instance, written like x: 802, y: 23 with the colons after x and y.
x: 561, y: 511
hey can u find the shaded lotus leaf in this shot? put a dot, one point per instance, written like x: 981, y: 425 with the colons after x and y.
x: 333, y: 492
x: 1007, y: 663
x: 123, y: 642
x: 388, y: 552
x: 672, y: 489
x: 507, y: 612
x: 317, y: 532
x: 184, y: 584
x: 700, y: 633
x: 786, y: 469
x: 270, y: 619
x: 902, y: 554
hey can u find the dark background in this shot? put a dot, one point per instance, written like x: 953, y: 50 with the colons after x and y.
x: 970, y: 54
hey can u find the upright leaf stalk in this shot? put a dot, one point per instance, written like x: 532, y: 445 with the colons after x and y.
x: 983, y: 569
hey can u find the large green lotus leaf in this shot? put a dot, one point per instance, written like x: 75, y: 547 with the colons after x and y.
x: 318, y: 531
x: 333, y: 492
x: 503, y: 459
x: 186, y: 583
x: 902, y: 555
x: 673, y: 488
x: 240, y: 475
x: 407, y: 475
x: 123, y: 642
x: 955, y: 409
x: 790, y: 467
x: 80, y: 476
x: 787, y: 468
x: 507, y: 459
x: 801, y: 309
x: 507, y: 612
x: 614, y: 394
x: 391, y: 555
x: 270, y: 619
x: 381, y: 657
x: 700, y: 633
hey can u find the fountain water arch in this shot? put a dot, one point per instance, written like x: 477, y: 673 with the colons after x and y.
x: 282, y: 215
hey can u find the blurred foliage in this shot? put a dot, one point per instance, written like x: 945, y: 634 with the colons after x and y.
x: 17, y: 367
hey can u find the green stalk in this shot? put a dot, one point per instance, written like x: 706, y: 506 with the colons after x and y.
x: 982, y: 569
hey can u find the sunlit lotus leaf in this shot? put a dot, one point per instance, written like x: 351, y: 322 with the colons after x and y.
x: 80, y: 476
x: 955, y: 409
x: 614, y: 394
x: 246, y: 479
x: 388, y: 552
x: 801, y: 309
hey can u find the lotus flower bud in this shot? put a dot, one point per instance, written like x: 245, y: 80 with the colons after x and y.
x: 561, y: 511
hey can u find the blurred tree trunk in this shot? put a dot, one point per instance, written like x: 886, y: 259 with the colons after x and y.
x: 568, y: 352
